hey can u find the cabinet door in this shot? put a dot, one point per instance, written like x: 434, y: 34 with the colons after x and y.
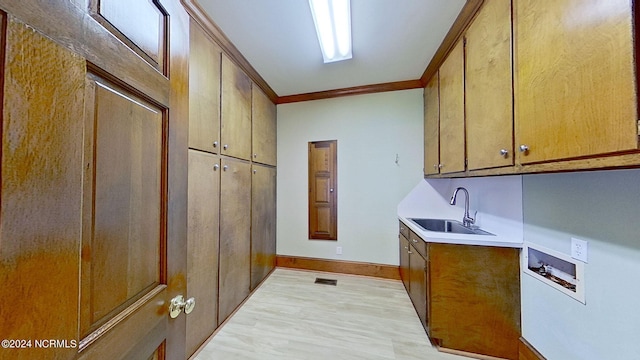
x: 575, y: 78
x: 235, y: 242
x: 418, y: 286
x: 264, y: 128
x: 263, y: 223
x: 432, y: 126
x: 202, y: 246
x: 489, y: 92
x: 236, y: 111
x: 452, y: 156
x: 404, y: 261
x: 204, y: 91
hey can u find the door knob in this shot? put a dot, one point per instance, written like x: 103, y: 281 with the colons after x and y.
x: 178, y: 305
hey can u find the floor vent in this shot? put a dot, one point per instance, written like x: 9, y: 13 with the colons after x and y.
x: 326, y: 281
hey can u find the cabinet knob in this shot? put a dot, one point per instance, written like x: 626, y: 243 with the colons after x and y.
x: 414, y: 240
x: 216, y: 167
x: 504, y: 152
x: 225, y: 146
x: 435, y: 166
x: 215, y: 144
x: 225, y: 168
x: 524, y: 148
x: 255, y: 171
x: 440, y: 166
x: 255, y: 156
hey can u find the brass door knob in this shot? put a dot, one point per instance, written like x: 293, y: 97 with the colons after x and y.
x: 178, y: 305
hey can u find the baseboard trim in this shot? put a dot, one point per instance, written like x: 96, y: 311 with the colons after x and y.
x: 339, y: 266
x: 467, y: 354
x: 527, y: 352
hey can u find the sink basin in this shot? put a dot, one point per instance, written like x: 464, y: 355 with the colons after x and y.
x: 447, y: 226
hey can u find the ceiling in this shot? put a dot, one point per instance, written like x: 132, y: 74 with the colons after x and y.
x: 393, y: 40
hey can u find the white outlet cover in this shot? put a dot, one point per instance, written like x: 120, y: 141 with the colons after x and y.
x: 579, y: 249
x: 338, y: 250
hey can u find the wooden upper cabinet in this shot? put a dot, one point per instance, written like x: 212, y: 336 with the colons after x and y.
x: 236, y: 111
x: 263, y: 114
x: 489, y: 91
x: 452, y: 147
x: 432, y: 126
x: 204, y: 91
x: 575, y: 92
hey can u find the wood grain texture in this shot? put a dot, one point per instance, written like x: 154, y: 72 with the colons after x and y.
x: 200, y: 16
x: 264, y: 128
x: 455, y: 33
x: 235, y: 132
x: 475, y: 298
x: 235, y: 236
x: 204, y: 91
x: 263, y: 223
x: 432, y: 126
x: 404, y: 262
x: 452, y: 95
x: 323, y: 190
x: 339, y: 266
x: 572, y: 97
x: 488, y: 87
x: 419, y: 283
x: 177, y: 172
x: 203, y: 246
x: 528, y: 352
x: 40, y: 209
x: 123, y: 211
x: 356, y: 90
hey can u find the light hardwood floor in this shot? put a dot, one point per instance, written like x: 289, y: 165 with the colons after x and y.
x: 291, y: 317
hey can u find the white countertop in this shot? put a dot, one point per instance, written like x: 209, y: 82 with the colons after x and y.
x: 498, y: 201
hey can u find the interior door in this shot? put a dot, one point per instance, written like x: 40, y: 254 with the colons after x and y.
x: 323, y: 191
x: 94, y: 170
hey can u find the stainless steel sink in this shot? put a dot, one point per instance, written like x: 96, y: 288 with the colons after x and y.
x: 448, y: 226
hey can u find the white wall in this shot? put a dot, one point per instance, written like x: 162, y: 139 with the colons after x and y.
x: 604, y: 209
x: 370, y: 129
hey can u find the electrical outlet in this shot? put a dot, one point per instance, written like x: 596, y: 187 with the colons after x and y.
x: 338, y: 250
x: 579, y: 249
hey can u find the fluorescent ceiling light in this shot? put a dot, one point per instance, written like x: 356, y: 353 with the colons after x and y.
x: 333, y: 26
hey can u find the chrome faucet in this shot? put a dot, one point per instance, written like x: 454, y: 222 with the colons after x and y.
x: 467, y: 220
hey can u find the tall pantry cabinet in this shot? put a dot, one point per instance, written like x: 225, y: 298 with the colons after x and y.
x: 231, y: 224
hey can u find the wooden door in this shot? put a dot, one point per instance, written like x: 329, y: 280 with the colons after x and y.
x: 452, y: 147
x: 404, y: 262
x: 432, y: 126
x: 236, y: 111
x: 94, y: 190
x: 203, y: 246
x: 263, y: 223
x: 323, y: 191
x: 264, y: 128
x: 235, y: 235
x: 418, y: 286
x: 489, y: 90
x: 204, y: 91
x: 575, y: 81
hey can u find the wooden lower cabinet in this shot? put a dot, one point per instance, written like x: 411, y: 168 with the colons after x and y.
x: 235, y: 241
x: 467, y: 297
x: 202, y: 246
x: 263, y: 223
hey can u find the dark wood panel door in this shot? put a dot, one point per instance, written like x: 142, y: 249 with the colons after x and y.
x: 263, y: 223
x: 418, y: 287
x: 323, y: 190
x: 404, y: 262
x: 94, y: 191
x: 263, y: 123
x: 235, y: 235
x: 203, y: 246
x: 235, y: 131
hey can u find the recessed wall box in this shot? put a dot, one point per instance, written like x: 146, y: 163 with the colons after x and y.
x: 555, y: 269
